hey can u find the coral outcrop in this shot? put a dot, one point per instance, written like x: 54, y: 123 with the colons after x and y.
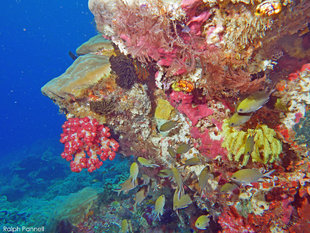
x: 165, y: 79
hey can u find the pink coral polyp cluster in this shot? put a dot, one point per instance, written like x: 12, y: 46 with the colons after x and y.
x: 87, y: 144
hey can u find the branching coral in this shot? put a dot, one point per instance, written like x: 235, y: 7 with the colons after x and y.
x: 266, y: 148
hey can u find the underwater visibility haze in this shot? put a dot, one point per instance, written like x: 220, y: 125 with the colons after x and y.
x: 35, y: 40
x: 155, y: 116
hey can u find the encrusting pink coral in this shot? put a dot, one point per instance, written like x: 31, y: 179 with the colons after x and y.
x: 207, y: 146
x: 183, y: 102
x: 85, y: 137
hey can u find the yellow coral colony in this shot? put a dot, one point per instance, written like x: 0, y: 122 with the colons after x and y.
x: 266, y: 148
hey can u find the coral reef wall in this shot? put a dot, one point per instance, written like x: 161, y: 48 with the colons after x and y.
x: 168, y: 78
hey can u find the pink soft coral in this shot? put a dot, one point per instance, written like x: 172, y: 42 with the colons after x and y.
x: 85, y: 142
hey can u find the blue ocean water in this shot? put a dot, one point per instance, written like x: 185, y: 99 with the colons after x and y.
x: 35, y: 38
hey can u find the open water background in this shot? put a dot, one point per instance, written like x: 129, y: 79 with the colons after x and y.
x: 35, y: 38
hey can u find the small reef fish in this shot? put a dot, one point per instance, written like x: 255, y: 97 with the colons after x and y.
x: 172, y: 152
x: 164, y: 173
x: 182, y: 148
x: 238, y: 119
x: 124, y: 226
x: 178, y: 180
x: 181, y: 202
x: 228, y: 187
x: 167, y: 126
x: 248, y: 176
x: 131, y: 182
x: 253, y: 102
x: 139, y: 197
x: 134, y: 171
x: 202, y: 222
x: 126, y: 186
x: 249, y: 145
x: 95, y: 181
x: 72, y: 55
x: 146, y: 179
x: 192, y: 161
x: 146, y: 163
x: 159, y: 206
x: 203, y: 178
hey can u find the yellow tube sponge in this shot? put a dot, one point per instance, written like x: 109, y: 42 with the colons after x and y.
x: 265, y: 149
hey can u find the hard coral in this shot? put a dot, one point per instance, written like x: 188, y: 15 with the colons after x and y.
x: 85, y: 72
x: 296, y: 96
x: 104, y: 15
x: 125, y: 70
x: 266, y: 147
x: 96, y: 44
x: 250, y: 28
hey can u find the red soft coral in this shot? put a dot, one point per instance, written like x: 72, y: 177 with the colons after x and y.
x: 84, y: 139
